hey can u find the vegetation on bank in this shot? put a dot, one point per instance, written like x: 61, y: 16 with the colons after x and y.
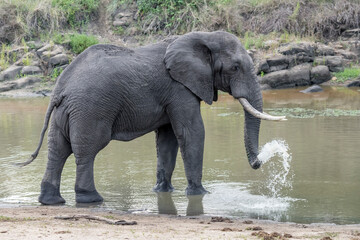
x: 348, y: 74
x: 256, y: 22
x: 322, y: 19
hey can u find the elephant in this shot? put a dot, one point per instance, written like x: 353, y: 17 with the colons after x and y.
x: 116, y: 93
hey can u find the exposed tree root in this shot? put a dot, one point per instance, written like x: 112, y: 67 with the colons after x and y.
x: 96, y: 218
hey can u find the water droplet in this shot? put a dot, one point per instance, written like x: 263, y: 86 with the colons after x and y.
x: 277, y: 174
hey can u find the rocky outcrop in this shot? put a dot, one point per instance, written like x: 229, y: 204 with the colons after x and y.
x: 31, y: 65
x: 302, y: 64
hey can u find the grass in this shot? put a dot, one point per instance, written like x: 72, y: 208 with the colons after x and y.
x: 77, y: 12
x: 347, y: 74
x: 79, y: 42
x: 4, y: 59
x: 11, y: 219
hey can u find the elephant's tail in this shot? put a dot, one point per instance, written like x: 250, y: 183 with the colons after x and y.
x: 51, y: 107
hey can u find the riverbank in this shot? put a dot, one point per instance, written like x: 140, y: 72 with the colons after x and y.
x: 42, y: 223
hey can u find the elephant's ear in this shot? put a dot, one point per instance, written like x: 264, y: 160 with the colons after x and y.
x: 189, y: 60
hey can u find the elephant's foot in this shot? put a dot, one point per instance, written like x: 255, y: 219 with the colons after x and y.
x: 84, y: 196
x: 163, y: 186
x: 195, y: 190
x: 50, y: 194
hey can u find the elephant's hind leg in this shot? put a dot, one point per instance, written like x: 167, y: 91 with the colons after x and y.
x: 167, y: 148
x: 59, y: 150
x: 87, y: 139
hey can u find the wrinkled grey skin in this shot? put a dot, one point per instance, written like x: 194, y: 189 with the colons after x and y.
x: 114, y: 93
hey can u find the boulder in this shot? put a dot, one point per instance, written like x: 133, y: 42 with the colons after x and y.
x: 60, y: 59
x: 19, y: 83
x: 296, y: 48
x: 320, y: 74
x: 123, y: 19
x: 297, y: 76
x: 347, y: 54
x: 121, y: 23
x: 25, y: 81
x: 10, y: 73
x: 263, y: 67
x: 298, y: 59
x: 355, y: 83
x: 43, y: 49
x: 312, y: 89
x: 31, y: 70
x: 277, y: 63
x: 335, y: 63
x: 324, y: 50
x: 45, y: 56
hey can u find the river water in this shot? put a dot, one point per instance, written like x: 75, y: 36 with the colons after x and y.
x: 313, y: 175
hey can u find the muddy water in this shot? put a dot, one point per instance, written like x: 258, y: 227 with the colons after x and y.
x: 321, y: 136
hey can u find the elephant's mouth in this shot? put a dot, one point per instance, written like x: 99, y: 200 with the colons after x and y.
x: 250, y: 109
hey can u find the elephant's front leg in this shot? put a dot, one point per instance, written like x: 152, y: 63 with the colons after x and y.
x: 167, y: 148
x: 189, y: 130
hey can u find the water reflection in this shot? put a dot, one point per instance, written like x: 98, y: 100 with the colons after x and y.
x: 324, y: 150
x: 166, y: 204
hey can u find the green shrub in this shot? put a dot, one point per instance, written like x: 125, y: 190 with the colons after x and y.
x: 79, y: 42
x: 347, y: 74
x: 77, y: 12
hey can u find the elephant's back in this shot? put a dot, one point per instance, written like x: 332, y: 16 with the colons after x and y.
x: 110, y: 75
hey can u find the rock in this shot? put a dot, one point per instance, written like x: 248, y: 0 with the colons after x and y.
x: 120, y: 23
x: 298, y: 59
x: 123, y: 19
x: 121, y: 15
x: 31, y: 70
x: 320, y: 74
x: 60, y: 59
x: 25, y: 59
x: 19, y: 83
x: 10, y: 73
x: 295, y: 48
x: 335, y: 63
x: 347, y: 54
x: 43, y: 49
x: 312, y: 89
x: 324, y: 50
x: 25, y: 81
x: 277, y: 63
x: 7, y: 86
x: 51, y: 53
x: 354, y: 84
x: 297, y: 76
x: 34, y: 45
x: 263, y: 67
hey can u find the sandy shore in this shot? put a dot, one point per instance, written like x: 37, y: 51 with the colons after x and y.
x: 42, y: 223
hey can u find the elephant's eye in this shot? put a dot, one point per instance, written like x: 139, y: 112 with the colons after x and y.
x: 235, y: 68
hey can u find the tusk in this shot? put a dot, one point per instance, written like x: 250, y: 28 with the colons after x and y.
x: 250, y: 109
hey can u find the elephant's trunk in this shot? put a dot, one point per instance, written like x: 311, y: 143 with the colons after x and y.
x: 253, y: 115
x: 251, y: 131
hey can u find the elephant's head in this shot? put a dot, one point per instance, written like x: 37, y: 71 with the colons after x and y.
x: 207, y: 62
